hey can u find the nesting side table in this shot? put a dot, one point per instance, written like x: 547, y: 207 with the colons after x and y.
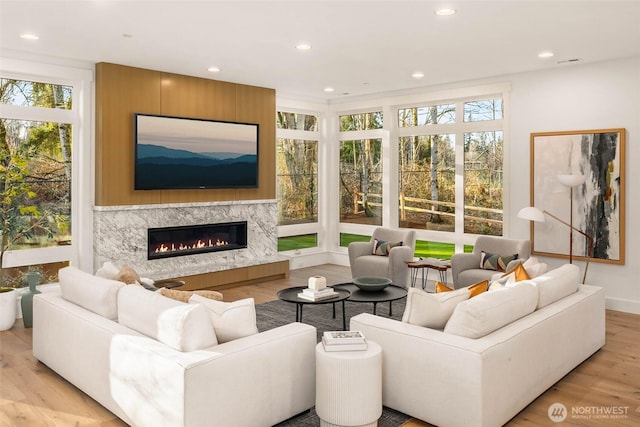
x: 349, y: 386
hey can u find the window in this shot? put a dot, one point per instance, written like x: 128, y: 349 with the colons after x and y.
x: 427, y: 182
x: 431, y: 115
x: 45, y: 120
x: 297, y: 150
x: 427, y: 144
x: 483, y: 182
x: 487, y: 109
x: 296, y: 121
x: 346, y: 238
x: 361, y: 121
x: 36, y: 158
x: 361, y: 181
x: 297, y: 181
x: 292, y: 243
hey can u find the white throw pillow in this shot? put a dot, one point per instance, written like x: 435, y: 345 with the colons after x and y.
x: 108, y: 271
x: 557, y: 284
x: 534, y: 267
x: 184, y: 327
x: 94, y: 293
x: 432, y: 310
x: 231, y: 320
x: 490, y: 311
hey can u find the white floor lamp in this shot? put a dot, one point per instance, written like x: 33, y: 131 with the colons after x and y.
x: 532, y: 213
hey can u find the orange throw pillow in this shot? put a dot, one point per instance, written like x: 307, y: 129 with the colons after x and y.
x: 478, y: 288
x: 441, y: 287
x: 519, y: 273
x: 475, y: 289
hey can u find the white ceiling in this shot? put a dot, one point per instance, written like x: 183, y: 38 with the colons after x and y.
x: 358, y: 47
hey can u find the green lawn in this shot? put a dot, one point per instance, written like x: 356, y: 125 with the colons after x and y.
x: 424, y: 249
x: 292, y: 243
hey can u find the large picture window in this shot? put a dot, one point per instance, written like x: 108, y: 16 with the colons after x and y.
x: 428, y: 144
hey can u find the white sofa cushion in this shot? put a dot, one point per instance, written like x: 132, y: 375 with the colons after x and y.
x: 534, y: 267
x: 231, y: 320
x: 184, y: 327
x: 556, y: 284
x: 432, y: 310
x: 108, y: 270
x: 94, y: 293
x: 490, y: 311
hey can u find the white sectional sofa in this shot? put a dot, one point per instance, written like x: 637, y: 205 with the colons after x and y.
x: 256, y: 380
x: 451, y: 380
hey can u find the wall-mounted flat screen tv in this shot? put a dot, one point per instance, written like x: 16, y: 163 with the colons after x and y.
x: 185, y: 153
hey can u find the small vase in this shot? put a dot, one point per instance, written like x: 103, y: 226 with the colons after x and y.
x: 26, y: 302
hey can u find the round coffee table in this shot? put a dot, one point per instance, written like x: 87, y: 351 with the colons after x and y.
x: 291, y: 295
x: 389, y: 294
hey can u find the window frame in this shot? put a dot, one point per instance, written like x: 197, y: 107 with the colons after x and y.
x: 292, y: 230
x: 80, y: 252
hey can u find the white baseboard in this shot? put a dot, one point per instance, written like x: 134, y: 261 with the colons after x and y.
x: 624, y: 305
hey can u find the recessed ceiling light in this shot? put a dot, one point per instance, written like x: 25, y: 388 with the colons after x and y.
x: 445, y: 12
x: 303, y: 46
x: 328, y: 89
x: 29, y: 36
x: 417, y: 75
x: 213, y: 69
x: 545, y: 54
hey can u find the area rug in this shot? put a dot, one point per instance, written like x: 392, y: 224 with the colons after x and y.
x: 389, y: 418
x: 277, y: 313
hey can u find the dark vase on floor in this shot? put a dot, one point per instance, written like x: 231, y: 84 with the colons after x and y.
x: 26, y: 302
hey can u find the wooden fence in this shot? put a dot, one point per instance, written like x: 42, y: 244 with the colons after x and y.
x: 358, y: 202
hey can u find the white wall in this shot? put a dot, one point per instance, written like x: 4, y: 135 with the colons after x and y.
x: 590, y: 96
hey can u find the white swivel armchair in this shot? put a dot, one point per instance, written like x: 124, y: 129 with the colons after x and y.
x: 364, y: 262
x: 465, y: 267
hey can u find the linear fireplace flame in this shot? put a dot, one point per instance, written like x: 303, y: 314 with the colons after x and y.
x: 196, y: 239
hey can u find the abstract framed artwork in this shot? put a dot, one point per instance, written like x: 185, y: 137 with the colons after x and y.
x: 594, y: 206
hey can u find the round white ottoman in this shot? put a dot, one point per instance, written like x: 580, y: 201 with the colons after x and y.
x: 349, y: 386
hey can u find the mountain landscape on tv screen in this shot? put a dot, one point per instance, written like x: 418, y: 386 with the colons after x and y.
x: 162, y: 167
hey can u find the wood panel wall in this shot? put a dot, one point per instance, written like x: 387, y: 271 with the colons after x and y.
x: 122, y: 91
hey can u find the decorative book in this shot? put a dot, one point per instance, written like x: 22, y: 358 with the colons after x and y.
x: 354, y: 346
x: 343, y: 337
x: 313, y: 295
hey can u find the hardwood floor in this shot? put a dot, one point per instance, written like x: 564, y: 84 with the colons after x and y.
x: 33, y: 395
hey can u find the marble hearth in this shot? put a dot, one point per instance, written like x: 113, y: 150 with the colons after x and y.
x: 120, y: 235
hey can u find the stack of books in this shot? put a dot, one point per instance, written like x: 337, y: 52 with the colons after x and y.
x: 317, y: 295
x: 343, y: 341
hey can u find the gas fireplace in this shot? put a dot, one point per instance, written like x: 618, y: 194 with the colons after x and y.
x: 196, y: 239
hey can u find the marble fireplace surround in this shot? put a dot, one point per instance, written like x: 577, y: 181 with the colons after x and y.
x: 120, y: 236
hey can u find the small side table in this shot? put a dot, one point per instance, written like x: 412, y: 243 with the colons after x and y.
x: 349, y: 386
x: 421, y: 265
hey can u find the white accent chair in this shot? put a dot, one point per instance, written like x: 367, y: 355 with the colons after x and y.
x: 363, y: 262
x: 465, y: 267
